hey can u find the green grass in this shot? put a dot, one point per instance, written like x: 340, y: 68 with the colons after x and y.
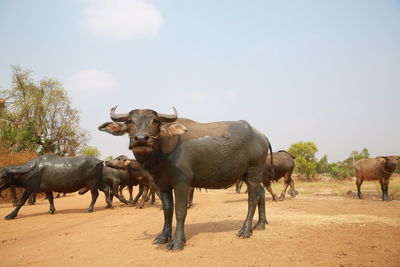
x: 341, y: 187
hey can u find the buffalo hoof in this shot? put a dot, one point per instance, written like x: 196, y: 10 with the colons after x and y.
x: 89, y: 210
x: 244, y: 233
x: 259, y: 226
x: 10, y: 216
x: 161, y: 239
x: 174, y: 244
x: 109, y: 206
x: 51, y: 211
x: 386, y: 198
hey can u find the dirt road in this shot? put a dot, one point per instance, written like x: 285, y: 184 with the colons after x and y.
x: 306, y: 231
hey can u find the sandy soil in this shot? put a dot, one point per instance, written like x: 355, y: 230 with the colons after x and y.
x: 306, y: 231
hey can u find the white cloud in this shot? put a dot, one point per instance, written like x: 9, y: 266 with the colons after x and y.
x: 91, y: 80
x: 121, y: 18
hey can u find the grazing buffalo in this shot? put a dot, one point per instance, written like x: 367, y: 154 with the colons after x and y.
x: 283, y: 167
x: 379, y: 168
x: 180, y: 153
x: 53, y: 173
x: 124, y: 172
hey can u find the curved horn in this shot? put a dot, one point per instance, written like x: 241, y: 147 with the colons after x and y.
x: 168, y: 118
x: 118, y: 117
x: 21, y: 169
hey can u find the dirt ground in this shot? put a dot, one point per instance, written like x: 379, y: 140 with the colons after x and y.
x: 305, y: 231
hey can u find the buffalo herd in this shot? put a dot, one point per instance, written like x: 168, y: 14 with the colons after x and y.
x: 172, y: 157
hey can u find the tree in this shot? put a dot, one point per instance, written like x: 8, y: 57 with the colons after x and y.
x: 91, y: 151
x: 305, y: 157
x: 322, y: 165
x: 39, y: 117
x: 355, y: 156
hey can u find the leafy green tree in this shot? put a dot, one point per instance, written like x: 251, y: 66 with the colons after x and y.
x: 91, y: 151
x: 39, y: 117
x: 355, y: 156
x: 304, y: 152
x: 322, y: 165
x: 340, y: 170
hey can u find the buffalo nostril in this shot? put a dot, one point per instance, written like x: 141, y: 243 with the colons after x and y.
x: 146, y: 138
x: 136, y: 138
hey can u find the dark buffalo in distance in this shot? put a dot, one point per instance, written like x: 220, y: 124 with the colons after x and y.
x: 283, y: 167
x: 122, y: 171
x: 50, y: 173
x: 379, y: 168
x: 181, y: 153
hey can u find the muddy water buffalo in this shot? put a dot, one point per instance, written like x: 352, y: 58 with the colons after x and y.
x: 133, y: 174
x: 180, y: 153
x: 282, y: 167
x: 53, y: 173
x: 379, y: 168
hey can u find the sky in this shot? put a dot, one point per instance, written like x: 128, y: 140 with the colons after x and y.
x: 326, y: 72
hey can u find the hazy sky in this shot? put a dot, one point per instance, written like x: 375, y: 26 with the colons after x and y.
x: 321, y: 71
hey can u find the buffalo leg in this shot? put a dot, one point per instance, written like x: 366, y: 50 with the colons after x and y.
x: 130, y: 189
x: 20, y: 203
x: 262, y: 219
x: 49, y: 196
x: 14, y: 196
x: 168, y: 209
x: 139, y: 194
x: 121, y: 187
x: 121, y: 198
x: 253, y: 187
x: 181, y: 191
x: 285, y: 186
x: 239, y: 184
x: 267, y: 185
x: 358, y: 183
x: 95, y: 194
x: 32, y: 199
x: 190, y: 200
x: 293, y: 192
x: 145, y: 196
x: 385, y: 187
x: 108, y: 196
x: 153, y: 197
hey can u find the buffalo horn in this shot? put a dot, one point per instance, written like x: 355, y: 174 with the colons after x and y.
x: 21, y: 169
x: 168, y: 118
x: 118, y: 117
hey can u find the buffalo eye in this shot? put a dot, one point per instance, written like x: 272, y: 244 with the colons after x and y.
x: 155, y: 121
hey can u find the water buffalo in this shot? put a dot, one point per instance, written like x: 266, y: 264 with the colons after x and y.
x: 49, y: 173
x: 137, y: 175
x: 379, y: 168
x: 130, y: 174
x: 283, y: 167
x: 180, y: 153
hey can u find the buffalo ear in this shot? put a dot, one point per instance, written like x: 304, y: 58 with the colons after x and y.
x: 171, y: 129
x: 114, y: 128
